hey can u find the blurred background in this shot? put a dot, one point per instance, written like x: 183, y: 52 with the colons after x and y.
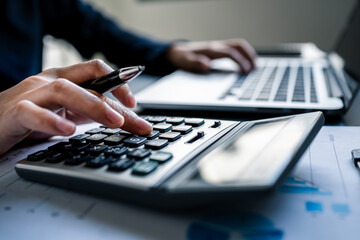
x: 261, y: 22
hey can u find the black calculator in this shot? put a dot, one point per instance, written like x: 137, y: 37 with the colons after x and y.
x: 183, y: 162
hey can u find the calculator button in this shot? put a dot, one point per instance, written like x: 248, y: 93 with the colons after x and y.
x: 152, y: 135
x: 78, y: 159
x: 125, y: 133
x: 79, y: 138
x: 98, y: 161
x: 162, y: 127
x: 216, y: 124
x: 139, y: 153
x: 96, y: 138
x: 116, y: 151
x: 156, y: 119
x: 114, y: 139
x: 94, y: 130
x: 161, y: 157
x: 198, y: 136
x: 111, y: 131
x: 56, y: 157
x: 195, y: 122
x: 175, y: 120
x: 67, y: 146
x: 146, y: 118
x: 183, y: 129
x: 39, y: 155
x: 60, y: 146
x: 121, y: 164
x: 156, y: 144
x: 143, y: 168
x: 170, y: 136
x: 135, y: 141
x: 96, y: 149
x: 76, y: 147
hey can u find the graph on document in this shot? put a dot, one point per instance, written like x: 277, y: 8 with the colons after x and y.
x: 325, y: 177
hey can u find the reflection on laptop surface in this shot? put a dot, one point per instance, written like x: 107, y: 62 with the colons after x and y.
x: 278, y: 85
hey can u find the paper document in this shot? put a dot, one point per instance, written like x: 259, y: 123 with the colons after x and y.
x: 319, y: 200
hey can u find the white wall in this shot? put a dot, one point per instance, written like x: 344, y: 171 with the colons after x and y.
x: 262, y: 22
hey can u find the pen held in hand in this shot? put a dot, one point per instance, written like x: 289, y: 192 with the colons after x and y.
x: 114, y: 79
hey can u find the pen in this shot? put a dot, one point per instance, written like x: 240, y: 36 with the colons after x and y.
x: 114, y: 79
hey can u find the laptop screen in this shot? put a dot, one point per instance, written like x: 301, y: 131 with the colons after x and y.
x: 349, y: 45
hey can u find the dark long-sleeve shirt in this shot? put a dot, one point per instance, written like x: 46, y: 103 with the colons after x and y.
x: 24, y: 23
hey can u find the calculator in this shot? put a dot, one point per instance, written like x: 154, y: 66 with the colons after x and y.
x: 183, y: 162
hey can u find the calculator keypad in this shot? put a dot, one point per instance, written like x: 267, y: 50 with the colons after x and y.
x: 116, y: 153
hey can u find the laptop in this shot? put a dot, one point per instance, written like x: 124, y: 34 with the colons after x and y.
x: 279, y: 85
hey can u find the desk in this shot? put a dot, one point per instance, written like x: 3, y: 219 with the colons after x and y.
x: 319, y: 200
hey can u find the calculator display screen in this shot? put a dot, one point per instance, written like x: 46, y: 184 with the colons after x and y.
x: 229, y: 163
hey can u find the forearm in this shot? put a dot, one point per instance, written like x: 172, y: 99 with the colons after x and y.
x: 90, y: 32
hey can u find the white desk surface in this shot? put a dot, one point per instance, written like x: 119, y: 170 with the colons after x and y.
x: 319, y: 200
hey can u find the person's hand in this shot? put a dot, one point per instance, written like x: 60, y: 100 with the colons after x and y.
x: 196, y: 56
x: 35, y: 103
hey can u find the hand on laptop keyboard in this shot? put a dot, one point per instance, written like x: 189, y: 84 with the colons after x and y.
x: 196, y: 56
x: 52, y: 103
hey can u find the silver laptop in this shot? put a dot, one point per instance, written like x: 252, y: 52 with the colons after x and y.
x: 278, y: 85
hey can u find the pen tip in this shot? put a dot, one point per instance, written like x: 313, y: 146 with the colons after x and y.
x: 141, y: 68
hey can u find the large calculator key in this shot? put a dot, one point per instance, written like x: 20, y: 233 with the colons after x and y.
x: 116, y: 151
x: 39, y: 155
x: 56, y: 157
x: 79, y: 138
x: 139, y: 153
x: 95, y: 130
x: 60, y: 146
x: 170, y: 136
x: 183, y: 129
x: 125, y: 133
x: 111, y: 131
x: 175, y: 120
x: 98, y: 161
x: 161, y: 157
x: 121, y: 164
x: 156, y: 119
x: 96, y: 138
x: 162, y: 127
x: 96, y: 149
x: 135, y: 141
x: 67, y: 146
x: 144, y: 168
x: 156, y: 144
x: 152, y: 135
x: 76, y: 147
x: 195, y: 122
x: 114, y: 139
x: 78, y: 159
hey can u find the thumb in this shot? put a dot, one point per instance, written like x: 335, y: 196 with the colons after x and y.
x: 85, y: 71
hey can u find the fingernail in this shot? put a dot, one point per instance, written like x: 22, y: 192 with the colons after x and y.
x: 65, y: 126
x: 142, y: 124
x: 114, y: 117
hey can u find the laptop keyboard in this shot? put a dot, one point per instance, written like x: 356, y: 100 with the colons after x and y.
x: 118, y: 151
x: 278, y: 84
